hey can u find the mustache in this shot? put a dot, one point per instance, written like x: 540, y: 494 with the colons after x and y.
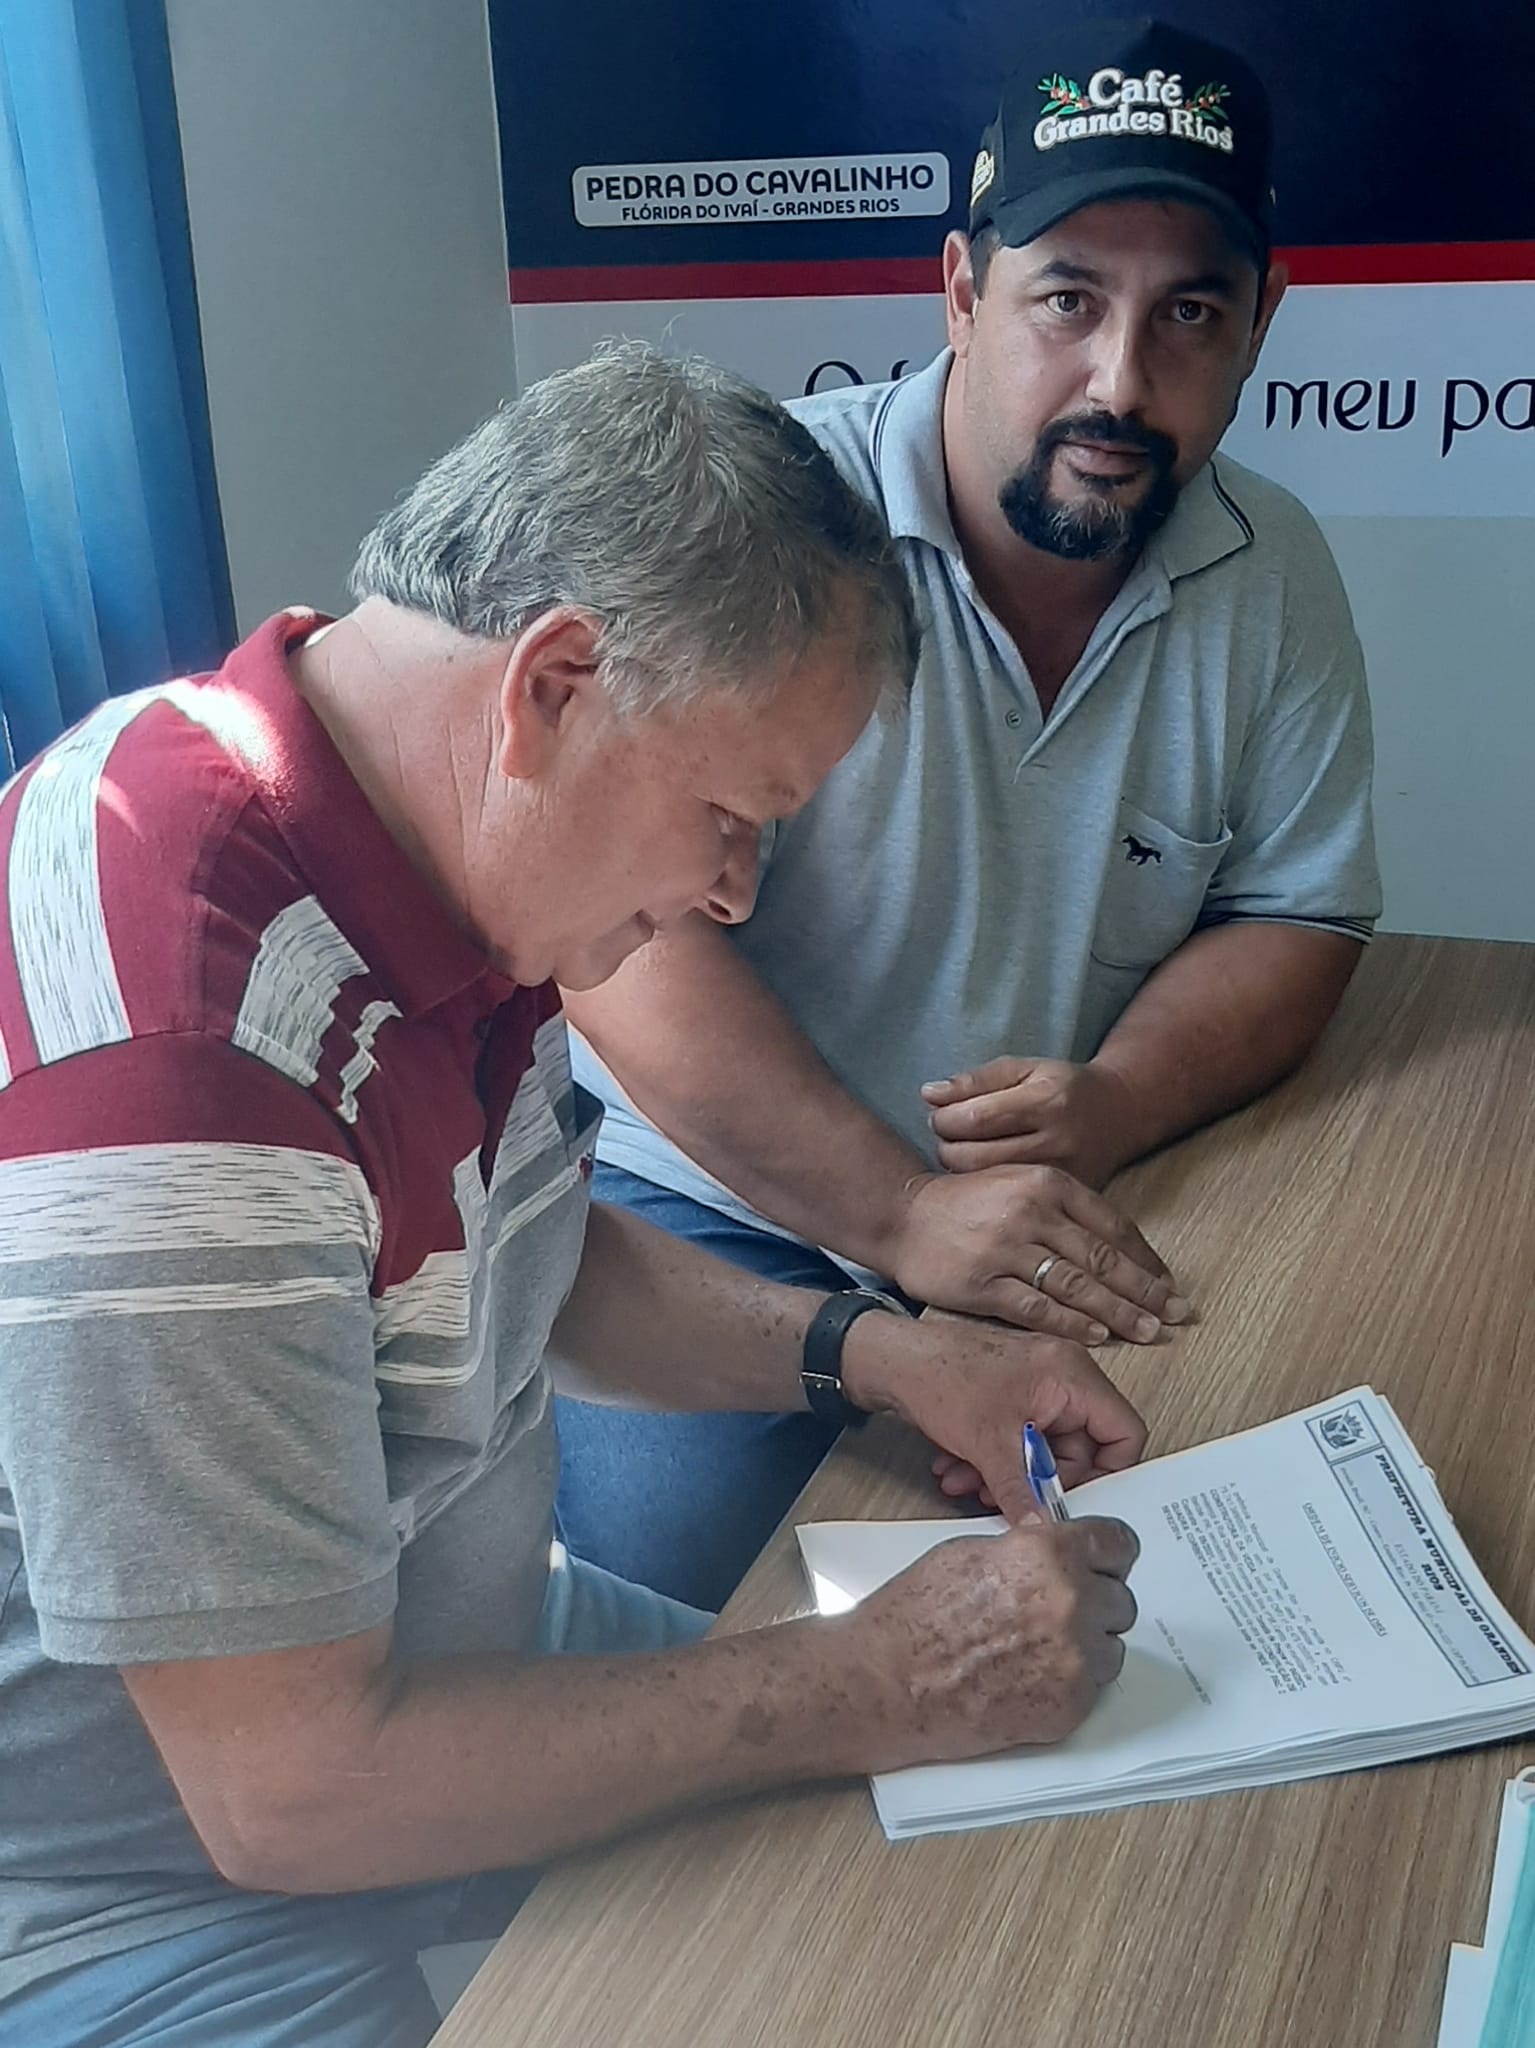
x: 1112, y: 432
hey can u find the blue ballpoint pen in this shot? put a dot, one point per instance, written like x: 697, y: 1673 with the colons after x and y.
x: 1039, y: 1468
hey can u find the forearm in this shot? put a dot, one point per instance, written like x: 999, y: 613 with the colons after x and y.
x: 747, y: 1096
x: 457, y: 1765
x: 653, y: 1321
x: 338, y: 1766
x: 1234, y: 1010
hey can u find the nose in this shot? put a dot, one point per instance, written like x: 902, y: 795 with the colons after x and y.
x: 730, y: 896
x: 1118, y: 382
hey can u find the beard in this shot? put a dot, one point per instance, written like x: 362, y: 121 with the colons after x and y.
x: 1099, y: 525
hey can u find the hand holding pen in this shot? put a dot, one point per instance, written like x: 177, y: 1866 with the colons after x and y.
x: 1044, y: 1481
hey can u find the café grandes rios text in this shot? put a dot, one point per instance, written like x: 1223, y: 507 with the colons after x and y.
x: 1116, y: 105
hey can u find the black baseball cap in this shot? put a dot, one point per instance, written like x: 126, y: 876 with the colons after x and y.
x: 1125, y: 109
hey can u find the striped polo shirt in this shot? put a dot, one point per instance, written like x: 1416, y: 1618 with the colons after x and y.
x: 292, y: 1186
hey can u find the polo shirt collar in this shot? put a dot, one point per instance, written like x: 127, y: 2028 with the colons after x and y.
x: 1205, y: 525
x: 908, y: 457
x: 356, y: 868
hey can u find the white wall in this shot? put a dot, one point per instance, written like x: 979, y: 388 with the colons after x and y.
x: 344, y: 189
x: 1446, y: 612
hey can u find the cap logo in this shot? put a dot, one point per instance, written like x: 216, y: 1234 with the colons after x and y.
x: 1113, y: 104
x: 983, y: 174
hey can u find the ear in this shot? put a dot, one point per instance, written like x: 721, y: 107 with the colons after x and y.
x: 550, y: 677
x: 959, y: 297
x: 1273, y: 289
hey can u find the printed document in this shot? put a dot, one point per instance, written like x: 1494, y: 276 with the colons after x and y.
x: 1306, y: 1606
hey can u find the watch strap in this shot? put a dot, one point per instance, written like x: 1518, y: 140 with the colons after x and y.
x: 821, y: 1363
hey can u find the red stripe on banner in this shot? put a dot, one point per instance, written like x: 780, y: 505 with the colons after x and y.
x: 1414, y: 263
x: 870, y: 277
x: 856, y: 277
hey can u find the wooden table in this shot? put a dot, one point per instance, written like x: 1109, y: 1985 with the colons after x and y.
x: 1374, y: 1220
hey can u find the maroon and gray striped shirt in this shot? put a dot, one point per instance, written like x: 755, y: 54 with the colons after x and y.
x: 292, y: 1186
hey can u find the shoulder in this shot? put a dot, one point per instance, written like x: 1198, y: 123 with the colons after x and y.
x: 847, y: 422
x: 1289, y: 610
x: 844, y: 415
x: 140, y: 873
x: 1284, y: 537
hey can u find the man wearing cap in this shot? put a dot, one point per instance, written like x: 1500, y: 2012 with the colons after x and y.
x: 1110, y: 876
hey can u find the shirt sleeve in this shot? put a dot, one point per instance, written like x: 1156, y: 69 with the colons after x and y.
x: 188, y: 1415
x: 1302, y: 848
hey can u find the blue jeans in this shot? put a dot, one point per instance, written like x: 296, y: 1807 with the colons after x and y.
x: 326, y: 1972
x: 685, y: 1502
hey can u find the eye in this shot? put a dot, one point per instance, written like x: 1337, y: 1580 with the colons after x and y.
x: 1067, y: 304
x: 1192, y: 313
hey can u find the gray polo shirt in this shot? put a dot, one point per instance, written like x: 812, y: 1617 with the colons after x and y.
x: 975, y: 880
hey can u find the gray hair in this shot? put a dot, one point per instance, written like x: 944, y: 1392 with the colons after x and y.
x: 708, y: 533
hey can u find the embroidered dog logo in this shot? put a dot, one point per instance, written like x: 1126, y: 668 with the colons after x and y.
x: 1140, y: 852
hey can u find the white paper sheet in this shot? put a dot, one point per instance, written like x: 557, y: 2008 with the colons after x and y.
x: 1306, y: 1605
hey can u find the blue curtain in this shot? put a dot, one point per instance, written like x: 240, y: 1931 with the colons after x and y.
x: 112, y: 567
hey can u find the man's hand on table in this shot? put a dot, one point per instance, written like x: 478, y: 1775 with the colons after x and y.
x: 970, y: 1387
x: 1032, y: 1245
x: 988, y: 1642
x: 1028, y: 1112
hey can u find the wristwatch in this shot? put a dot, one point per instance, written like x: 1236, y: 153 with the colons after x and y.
x: 821, y: 1365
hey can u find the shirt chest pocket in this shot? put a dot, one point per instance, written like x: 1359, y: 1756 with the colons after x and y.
x: 1153, y: 890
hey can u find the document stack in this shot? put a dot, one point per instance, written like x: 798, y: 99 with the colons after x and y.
x: 1306, y: 1606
